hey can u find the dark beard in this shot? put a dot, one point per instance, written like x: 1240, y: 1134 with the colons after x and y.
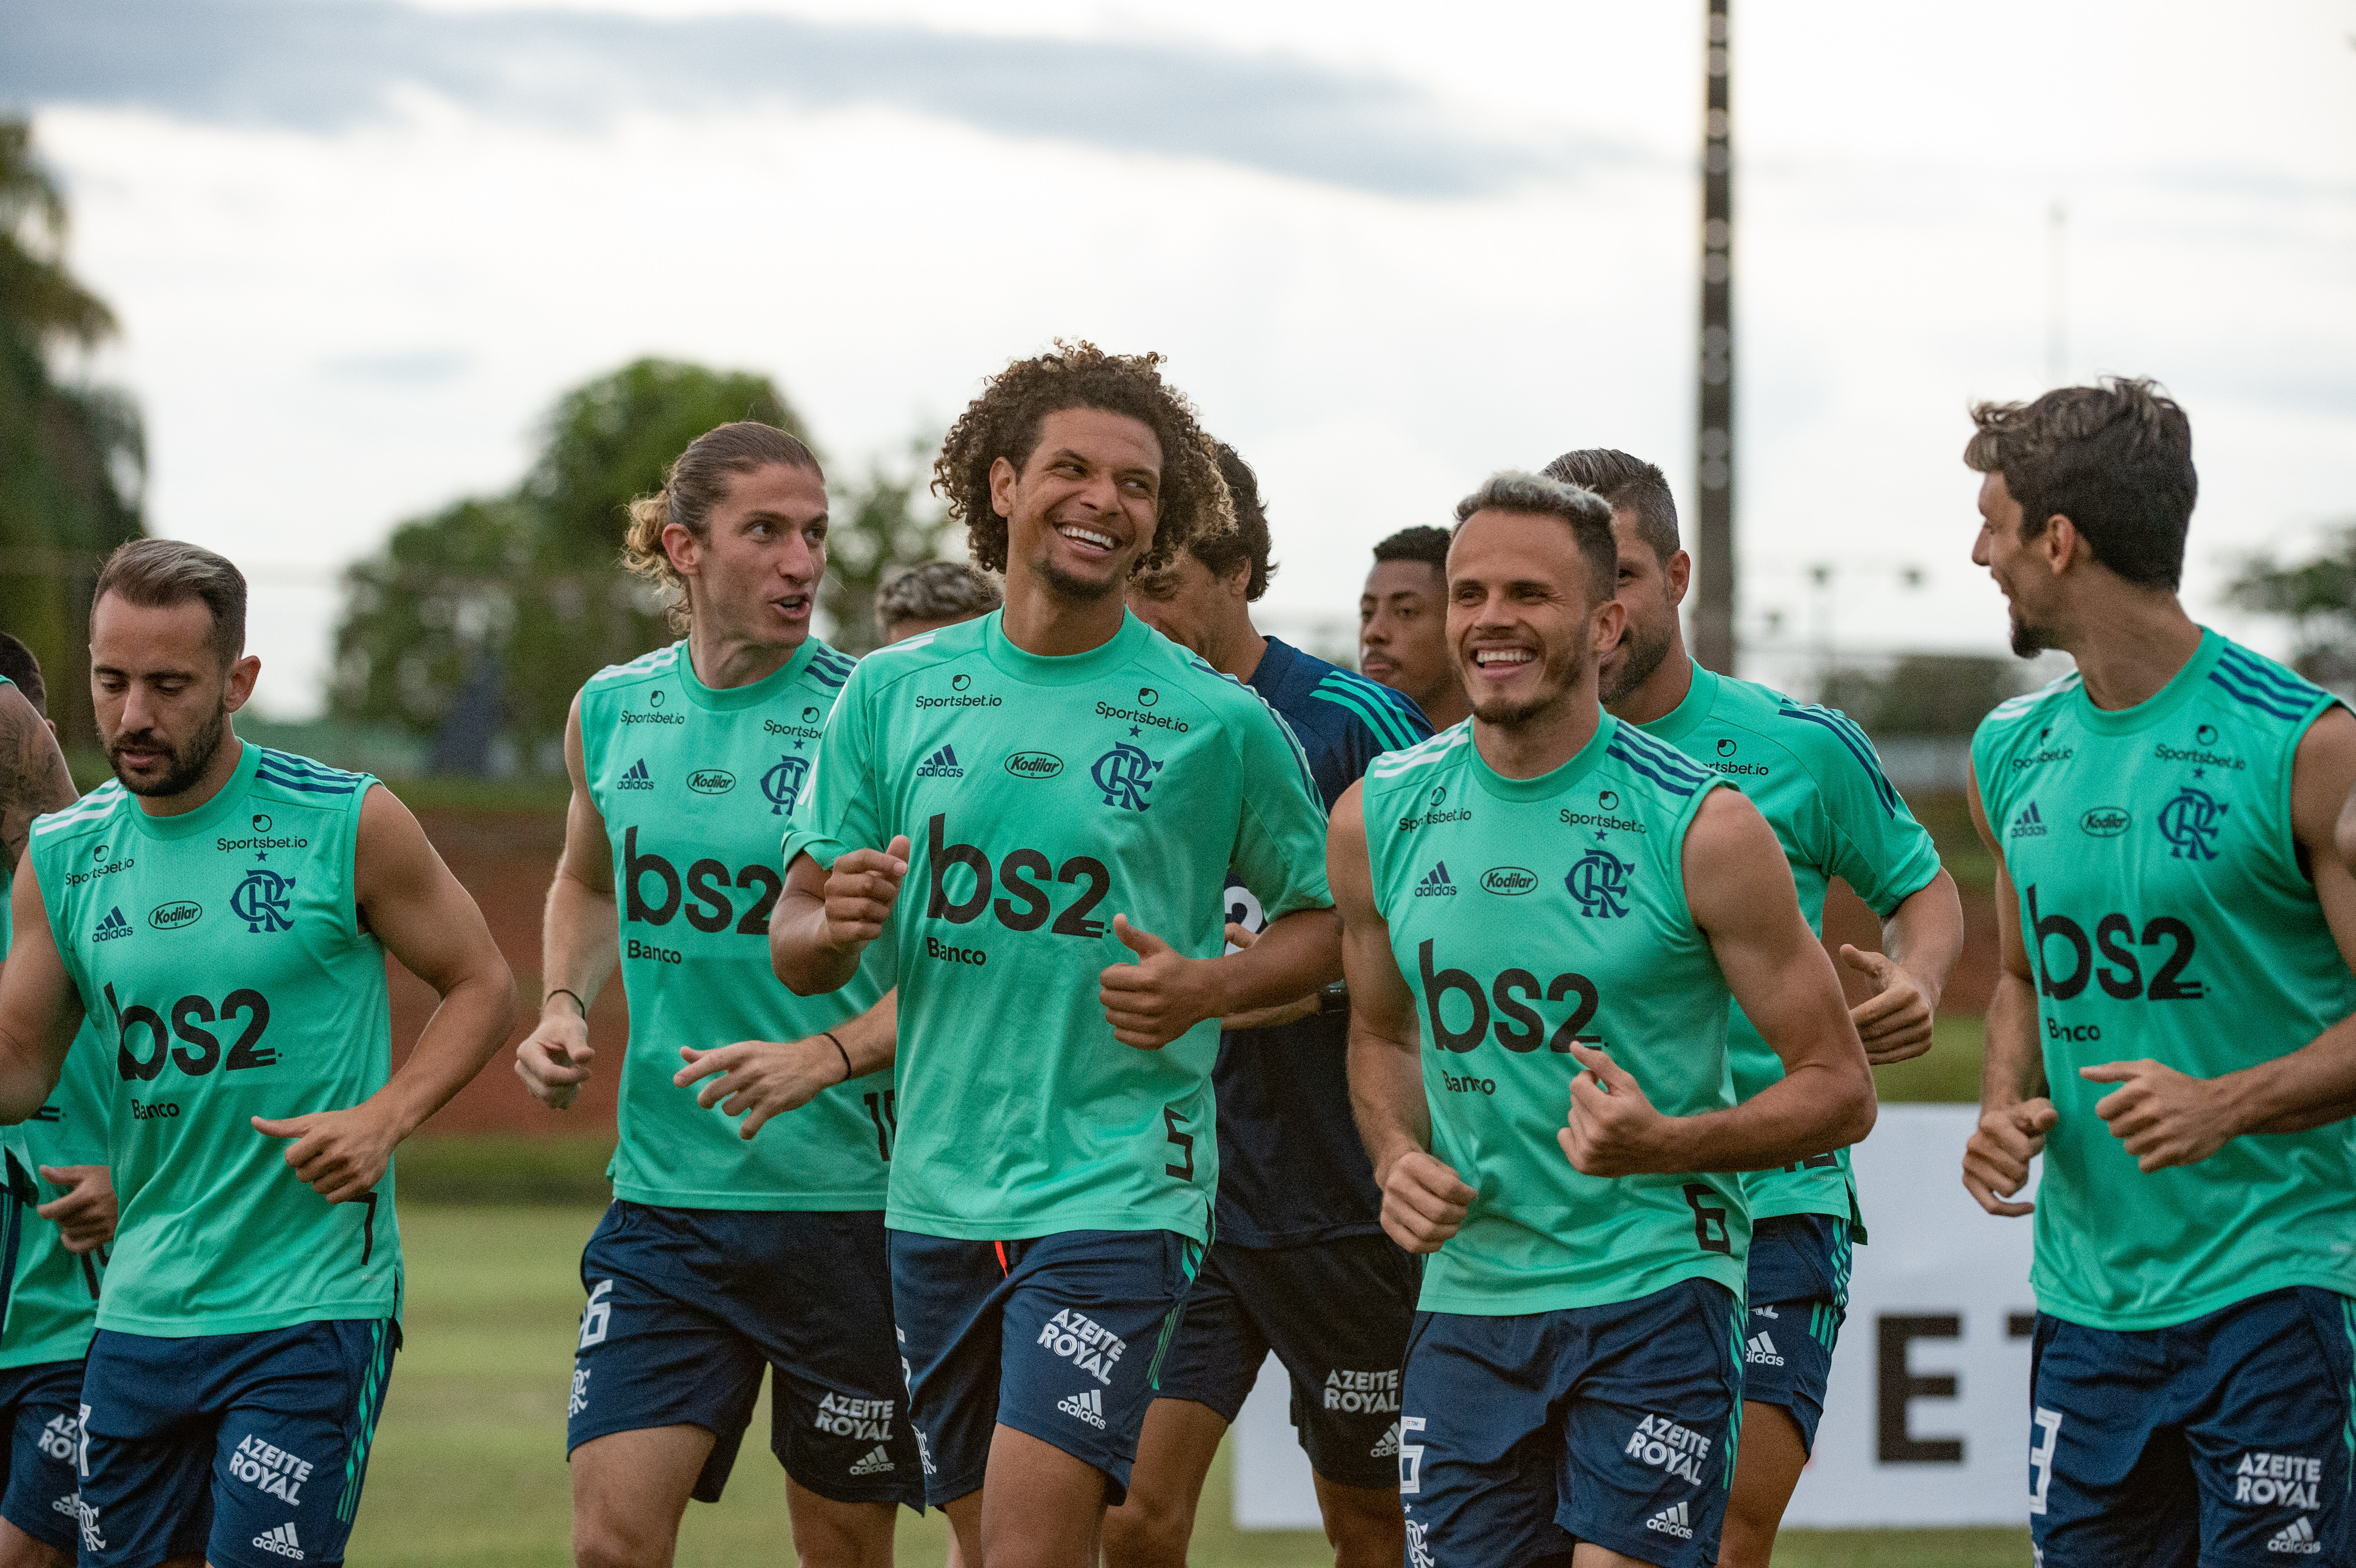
x: 2028, y: 641
x: 188, y: 766
x: 1072, y: 591
x: 1642, y: 656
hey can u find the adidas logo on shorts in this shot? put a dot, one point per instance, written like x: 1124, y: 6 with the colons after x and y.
x: 1672, y: 1522
x: 281, y: 1540
x: 2298, y: 1539
x: 941, y: 765
x: 1760, y: 1350
x: 1388, y: 1447
x: 1087, y: 1405
x: 876, y: 1463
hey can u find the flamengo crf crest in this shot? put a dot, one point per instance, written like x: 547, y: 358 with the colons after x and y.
x: 2190, y: 825
x: 783, y: 783
x: 1599, y: 880
x: 1125, y: 773
x: 262, y: 900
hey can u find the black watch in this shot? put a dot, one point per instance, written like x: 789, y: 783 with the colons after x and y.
x: 1335, y: 999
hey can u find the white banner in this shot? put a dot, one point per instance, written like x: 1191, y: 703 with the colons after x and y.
x: 1927, y: 1419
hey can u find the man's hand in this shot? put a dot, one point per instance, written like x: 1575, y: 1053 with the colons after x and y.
x: 1424, y: 1201
x: 554, y: 1060
x: 1155, y: 1000
x: 859, y: 892
x: 1895, y: 1022
x: 2163, y: 1116
x: 1240, y: 937
x: 85, y: 1216
x: 341, y: 1153
x: 1612, y: 1129
x: 761, y: 1078
x: 1996, y: 1160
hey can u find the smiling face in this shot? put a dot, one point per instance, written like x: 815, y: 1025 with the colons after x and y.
x: 1526, y: 622
x: 1649, y: 592
x: 2023, y: 568
x: 753, y: 579
x: 1082, y: 508
x: 162, y: 692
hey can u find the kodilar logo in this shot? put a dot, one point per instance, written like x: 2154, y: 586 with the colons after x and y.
x: 2106, y: 822
x: 1509, y: 881
x: 177, y: 913
x: 711, y: 781
x: 1035, y: 764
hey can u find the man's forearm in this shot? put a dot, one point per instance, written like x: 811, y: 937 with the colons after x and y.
x: 1811, y: 1109
x: 465, y: 1033
x: 26, y: 1079
x: 1926, y: 935
x: 579, y: 942
x: 2311, y: 1087
x: 1297, y: 954
x: 799, y: 953
x: 1387, y: 1099
x: 2013, y: 1069
x: 871, y: 1040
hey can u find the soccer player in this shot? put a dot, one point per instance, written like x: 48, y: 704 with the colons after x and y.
x: 1550, y: 903
x: 49, y: 1268
x: 927, y: 597
x: 1298, y: 1224
x: 1813, y: 774
x: 224, y: 910
x: 2171, y: 1027
x: 726, y: 1251
x: 1402, y: 625
x: 1076, y: 788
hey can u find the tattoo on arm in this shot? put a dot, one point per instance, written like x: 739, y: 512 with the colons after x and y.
x: 33, y: 777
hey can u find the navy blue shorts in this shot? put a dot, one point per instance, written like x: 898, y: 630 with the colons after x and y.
x: 1061, y: 1337
x: 1799, y: 1298
x: 1344, y: 1362
x: 2222, y: 1440
x: 42, y: 1407
x: 1524, y: 1436
x: 249, y: 1449
x: 688, y: 1307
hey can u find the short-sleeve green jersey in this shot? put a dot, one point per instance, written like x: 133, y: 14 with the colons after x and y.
x: 220, y: 956
x: 2168, y: 915
x: 1524, y: 914
x: 695, y: 787
x: 1043, y: 796
x: 1814, y: 777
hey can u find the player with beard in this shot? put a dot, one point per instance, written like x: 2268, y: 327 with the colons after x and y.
x: 51, y: 1259
x: 224, y: 910
x: 1076, y: 788
x: 1403, y: 626
x: 1544, y: 903
x: 2171, y: 1028
x: 724, y: 1253
x: 1813, y: 774
x: 1298, y: 1219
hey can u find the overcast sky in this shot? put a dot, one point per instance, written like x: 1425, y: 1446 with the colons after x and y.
x: 356, y: 248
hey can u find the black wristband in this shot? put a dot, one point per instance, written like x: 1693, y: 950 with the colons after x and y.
x: 566, y: 991
x: 1333, y: 999
x: 847, y: 1073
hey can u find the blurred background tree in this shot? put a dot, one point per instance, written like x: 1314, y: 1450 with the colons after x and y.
x: 73, y: 457
x: 1924, y: 694
x: 474, y: 626
x: 2319, y: 597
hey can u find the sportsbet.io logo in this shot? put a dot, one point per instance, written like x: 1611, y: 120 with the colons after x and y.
x: 783, y: 785
x: 1599, y: 880
x: 262, y: 901
x: 1125, y: 773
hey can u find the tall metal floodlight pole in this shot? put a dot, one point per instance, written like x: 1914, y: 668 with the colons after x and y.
x: 1713, y: 615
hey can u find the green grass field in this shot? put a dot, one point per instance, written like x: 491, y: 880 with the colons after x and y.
x: 469, y: 1462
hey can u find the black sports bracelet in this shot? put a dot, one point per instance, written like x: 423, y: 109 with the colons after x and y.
x: 847, y: 1073
x: 567, y: 991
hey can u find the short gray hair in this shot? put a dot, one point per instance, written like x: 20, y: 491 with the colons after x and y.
x: 1587, y: 514
x: 937, y: 591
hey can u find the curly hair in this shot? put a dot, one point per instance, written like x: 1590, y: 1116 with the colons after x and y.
x: 693, y: 485
x: 1004, y: 422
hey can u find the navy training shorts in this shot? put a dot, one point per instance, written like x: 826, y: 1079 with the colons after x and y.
x: 1060, y: 1336
x: 1799, y: 1298
x: 1522, y: 1436
x: 1336, y: 1313
x: 42, y: 1407
x: 688, y: 1307
x: 2223, y: 1441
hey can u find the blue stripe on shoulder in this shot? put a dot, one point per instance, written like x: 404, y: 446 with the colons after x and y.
x: 2279, y: 707
x: 1663, y: 755
x: 2266, y: 677
x: 1858, y: 746
x: 1376, y: 718
x: 1644, y: 767
x: 308, y: 786
x: 290, y: 763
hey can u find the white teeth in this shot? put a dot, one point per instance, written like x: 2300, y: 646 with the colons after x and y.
x: 1088, y: 536
x: 1488, y: 657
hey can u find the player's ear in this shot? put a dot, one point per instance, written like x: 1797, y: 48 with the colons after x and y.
x: 1679, y: 571
x: 1001, y: 486
x: 1606, y: 622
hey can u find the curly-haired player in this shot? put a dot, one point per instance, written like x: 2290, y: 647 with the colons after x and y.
x: 1076, y: 787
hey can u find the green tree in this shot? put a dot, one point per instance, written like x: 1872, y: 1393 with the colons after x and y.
x: 2317, y: 596
x: 886, y: 521
x: 73, y: 457
x: 1925, y: 694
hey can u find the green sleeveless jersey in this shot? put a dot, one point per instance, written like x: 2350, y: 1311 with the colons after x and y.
x: 695, y: 787
x: 1814, y: 777
x: 53, y: 1295
x: 1042, y: 796
x: 1524, y: 914
x: 2169, y: 916
x: 221, y: 956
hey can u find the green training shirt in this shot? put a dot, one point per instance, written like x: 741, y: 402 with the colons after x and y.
x: 1042, y: 796
x: 2168, y: 915
x: 695, y: 785
x: 221, y: 956
x: 1813, y: 776
x: 1525, y: 914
